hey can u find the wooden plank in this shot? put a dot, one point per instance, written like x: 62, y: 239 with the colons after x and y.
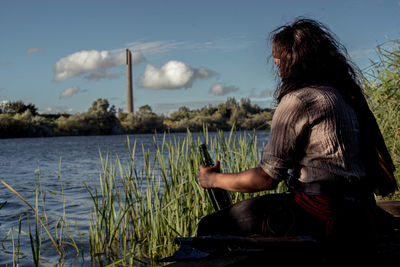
x: 391, y: 206
x: 216, y: 261
x: 237, y: 251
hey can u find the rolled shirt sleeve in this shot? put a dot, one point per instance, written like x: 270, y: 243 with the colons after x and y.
x: 289, y: 124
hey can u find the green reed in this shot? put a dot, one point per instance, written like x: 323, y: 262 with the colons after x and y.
x: 40, y: 228
x: 138, y: 212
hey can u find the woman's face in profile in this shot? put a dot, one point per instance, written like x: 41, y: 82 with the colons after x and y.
x: 277, y: 63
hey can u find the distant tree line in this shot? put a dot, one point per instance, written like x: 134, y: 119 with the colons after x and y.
x: 18, y: 119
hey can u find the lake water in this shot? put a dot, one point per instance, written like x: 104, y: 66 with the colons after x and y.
x: 69, y: 161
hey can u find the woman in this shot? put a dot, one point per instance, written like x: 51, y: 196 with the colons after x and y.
x: 324, y: 140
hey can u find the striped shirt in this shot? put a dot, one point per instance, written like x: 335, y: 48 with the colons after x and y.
x: 315, y: 133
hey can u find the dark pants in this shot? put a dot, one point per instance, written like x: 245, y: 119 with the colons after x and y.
x: 268, y: 215
x: 281, y: 215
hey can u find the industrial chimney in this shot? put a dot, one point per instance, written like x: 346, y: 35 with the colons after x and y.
x: 129, y: 91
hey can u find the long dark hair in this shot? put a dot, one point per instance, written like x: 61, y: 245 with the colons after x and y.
x: 310, y: 56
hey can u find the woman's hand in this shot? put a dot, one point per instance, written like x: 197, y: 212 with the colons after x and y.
x: 207, y: 175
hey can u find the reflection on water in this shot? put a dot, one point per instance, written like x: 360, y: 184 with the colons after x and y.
x: 69, y: 161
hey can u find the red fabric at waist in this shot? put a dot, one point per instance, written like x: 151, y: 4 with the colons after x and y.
x: 320, y: 206
x: 337, y: 213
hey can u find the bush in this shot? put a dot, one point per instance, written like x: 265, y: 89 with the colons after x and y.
x: 24, y: 125
x: 143, y: 121
x: 100, y: 119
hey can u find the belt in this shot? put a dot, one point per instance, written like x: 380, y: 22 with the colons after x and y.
x: 339, y: 187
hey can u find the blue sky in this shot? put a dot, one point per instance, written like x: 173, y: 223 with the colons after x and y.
x: 63, y: 55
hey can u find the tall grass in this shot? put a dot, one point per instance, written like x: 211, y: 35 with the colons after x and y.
x: 138, y: 212
x: 383, y: 91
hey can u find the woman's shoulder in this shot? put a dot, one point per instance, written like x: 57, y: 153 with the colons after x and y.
x: 315, y: 91
x: 323, y: 94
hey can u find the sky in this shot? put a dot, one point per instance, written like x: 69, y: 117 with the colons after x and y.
x: 63, y: 55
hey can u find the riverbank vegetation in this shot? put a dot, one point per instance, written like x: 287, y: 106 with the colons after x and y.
x: 382, y: 86
x: 20, y: 120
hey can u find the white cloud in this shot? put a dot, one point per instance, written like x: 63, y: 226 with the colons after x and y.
x: 263, y: 98
x: 94, y: 63
x: 3, y: 103
x: 70, y: 92
x: 219, y: 89
x: 266, y: 94
x: 233, y: 43
x: 57, y: 109
x: 156, y: 47
x: 31, y: 51
x: 229, y: 44
x: 361, y: 53
x: 167, y: 108
x: 101, y: 74
x: 173, y: 75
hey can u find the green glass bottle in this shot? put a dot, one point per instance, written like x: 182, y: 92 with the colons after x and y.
x: 220, y: 198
